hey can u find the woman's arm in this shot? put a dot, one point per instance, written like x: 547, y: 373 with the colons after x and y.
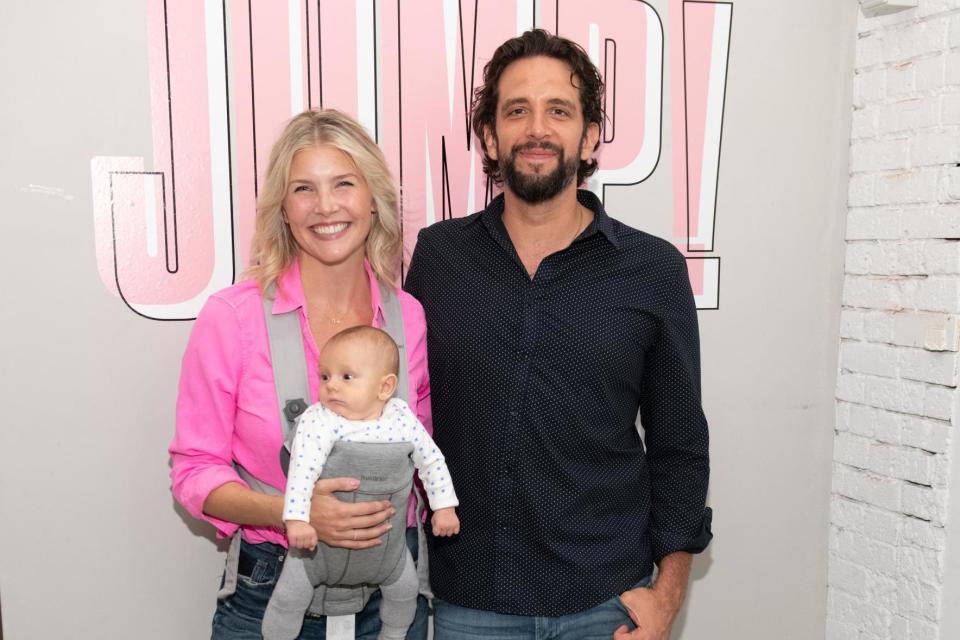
x: 236, y: 503
x: 203, y: 475
x: 201, y: 452
x: 338, y: 524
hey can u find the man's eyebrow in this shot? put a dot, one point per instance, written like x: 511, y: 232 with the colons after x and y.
x: 554, y: 102
x: 512, y: 102
x: 563, y: 102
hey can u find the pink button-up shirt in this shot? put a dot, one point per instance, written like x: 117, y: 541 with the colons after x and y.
x: 227, y: 405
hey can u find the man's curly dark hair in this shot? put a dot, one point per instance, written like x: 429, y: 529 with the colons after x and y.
x: 584, y: 75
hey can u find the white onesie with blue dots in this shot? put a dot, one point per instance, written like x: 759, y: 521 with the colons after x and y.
x: 319, y: 428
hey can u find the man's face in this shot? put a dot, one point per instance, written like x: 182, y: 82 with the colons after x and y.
x: 540, y: 137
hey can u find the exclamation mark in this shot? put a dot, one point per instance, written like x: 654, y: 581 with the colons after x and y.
x: 699, y: 87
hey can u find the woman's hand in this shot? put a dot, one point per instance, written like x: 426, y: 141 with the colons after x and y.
x: 351, y: 525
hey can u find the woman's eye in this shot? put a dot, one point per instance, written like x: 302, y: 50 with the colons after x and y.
x: 344, y: 183
x: 348, y: 376
x: 301, y: 187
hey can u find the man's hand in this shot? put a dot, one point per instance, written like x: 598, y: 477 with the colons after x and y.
x: 650, y: 611
x: 445, y: 522
x: 654, y: 609
x: 301, y: 535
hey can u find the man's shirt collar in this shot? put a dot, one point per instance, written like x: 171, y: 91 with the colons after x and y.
x: 491, y: 217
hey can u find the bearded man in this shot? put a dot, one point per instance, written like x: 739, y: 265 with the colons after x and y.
x: 551, y: 327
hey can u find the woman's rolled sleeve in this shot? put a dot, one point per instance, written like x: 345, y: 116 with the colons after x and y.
x: 201, y: 450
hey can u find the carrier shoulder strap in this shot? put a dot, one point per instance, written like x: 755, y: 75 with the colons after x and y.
x: 289, y: 363
x: 290, y: 360
x: 393, y: 325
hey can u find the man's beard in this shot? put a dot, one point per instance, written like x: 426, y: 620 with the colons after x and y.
x: 534, y: 188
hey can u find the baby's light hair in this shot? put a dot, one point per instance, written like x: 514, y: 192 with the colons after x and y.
x: 376, y: 339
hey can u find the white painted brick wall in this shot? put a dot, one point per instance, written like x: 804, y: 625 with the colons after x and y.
x: 928, y: 366
x: 874, y: 155
x: 933, y: 222
x: 907, y: 186
x: 931, y: 7
x: 930, y: 74
x: 941, y: 257
x: 953, y: 183
x: 922, y: 534
x: 905, y: 115
x: 950, y: 109
x: 931, y: 331
x: 936, y: 147
x: 899, y: 329
x: 952, y: 64
x: 901, y: 80
x: 866, y: 224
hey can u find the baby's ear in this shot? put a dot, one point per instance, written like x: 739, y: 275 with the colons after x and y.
x: 387, y: 385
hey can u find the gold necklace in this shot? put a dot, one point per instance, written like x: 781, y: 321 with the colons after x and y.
x: 576, y: 232
x: 324, y: 314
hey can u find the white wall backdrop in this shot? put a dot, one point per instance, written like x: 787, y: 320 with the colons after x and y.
x: 92, y: 543
x: 894, y: 539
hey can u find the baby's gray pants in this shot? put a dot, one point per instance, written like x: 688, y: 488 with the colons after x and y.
x: 386, y: 473
x: 301, y: 573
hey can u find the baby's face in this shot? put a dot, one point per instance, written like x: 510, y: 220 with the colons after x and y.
x: 351, y: 380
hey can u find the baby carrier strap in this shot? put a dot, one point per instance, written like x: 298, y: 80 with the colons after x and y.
x: 290, y: 361
x: 393, y: 325
x: 293, y: 393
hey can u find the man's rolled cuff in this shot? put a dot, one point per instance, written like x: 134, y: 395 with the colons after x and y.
x: 664, y: 542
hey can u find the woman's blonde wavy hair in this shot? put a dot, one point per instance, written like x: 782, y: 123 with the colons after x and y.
x: 274, y: 248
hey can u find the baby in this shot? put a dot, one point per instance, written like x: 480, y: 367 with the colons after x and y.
x: 358, y: 375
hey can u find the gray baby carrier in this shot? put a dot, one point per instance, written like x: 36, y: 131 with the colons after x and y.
x: 385, y: 472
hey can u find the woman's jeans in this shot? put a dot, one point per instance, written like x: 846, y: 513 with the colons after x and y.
x: 240, y: 616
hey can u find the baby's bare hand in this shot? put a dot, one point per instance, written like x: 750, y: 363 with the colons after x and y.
x: 301, y: 535
x: 445, y: 522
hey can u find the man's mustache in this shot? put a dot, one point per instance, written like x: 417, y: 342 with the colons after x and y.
x: 528, y: 146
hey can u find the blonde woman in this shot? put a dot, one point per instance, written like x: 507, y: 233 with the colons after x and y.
x: 327, y: 230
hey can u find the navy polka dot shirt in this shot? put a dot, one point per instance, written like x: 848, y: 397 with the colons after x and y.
x: 536, y: 388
